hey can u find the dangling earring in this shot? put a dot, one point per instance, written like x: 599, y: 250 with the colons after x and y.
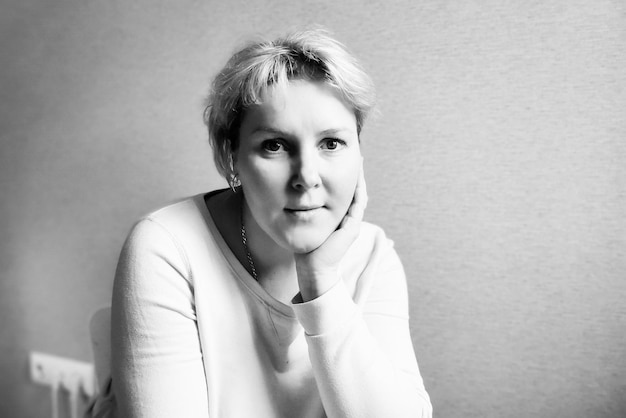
x: 233, y: 179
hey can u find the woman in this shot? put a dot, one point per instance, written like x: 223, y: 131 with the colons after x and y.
x: 271, y: 298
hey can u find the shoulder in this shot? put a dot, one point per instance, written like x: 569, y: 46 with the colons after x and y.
x: 179, y: 212
x: 372, y: 232
x: 372, y: 251
x: 169, y: 229
x: 175, y: 220
x: 372, y: 240
x: 375, y: 270
x: 158, y: 245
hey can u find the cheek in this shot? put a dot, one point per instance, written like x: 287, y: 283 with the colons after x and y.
x: 263, y: 186
x: 259, y: 174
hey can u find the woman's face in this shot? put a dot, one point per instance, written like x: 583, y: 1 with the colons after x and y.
x: 298, y: 161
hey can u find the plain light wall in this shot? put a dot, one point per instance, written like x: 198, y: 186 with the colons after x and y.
x: 497, y: 165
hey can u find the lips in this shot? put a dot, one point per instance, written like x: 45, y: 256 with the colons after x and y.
x: 304, y: 212
x: 303, y: 209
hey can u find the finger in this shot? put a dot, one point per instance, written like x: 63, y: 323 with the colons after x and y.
x: 359, y: 202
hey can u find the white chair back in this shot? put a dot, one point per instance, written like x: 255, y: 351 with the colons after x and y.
x: 100, y: 330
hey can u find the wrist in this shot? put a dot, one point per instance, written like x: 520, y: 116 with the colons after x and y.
x: 314, y: 284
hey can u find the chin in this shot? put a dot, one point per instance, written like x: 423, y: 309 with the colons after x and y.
x: 303, y: 246
x: 304, y: 238
x: 304, y: 249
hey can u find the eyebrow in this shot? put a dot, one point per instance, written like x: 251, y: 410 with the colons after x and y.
x: 334, y: 131
x: 278, y: 132
x: 268, y: 130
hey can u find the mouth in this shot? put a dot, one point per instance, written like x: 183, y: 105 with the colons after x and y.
x: 304, y: 212
x: 303, y: 208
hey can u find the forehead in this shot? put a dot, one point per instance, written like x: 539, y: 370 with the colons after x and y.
x: 300, y: 104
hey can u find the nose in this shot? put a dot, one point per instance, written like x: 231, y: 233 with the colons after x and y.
x: 306, y: 173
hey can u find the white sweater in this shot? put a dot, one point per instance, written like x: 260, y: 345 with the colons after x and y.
x: 194, y: 335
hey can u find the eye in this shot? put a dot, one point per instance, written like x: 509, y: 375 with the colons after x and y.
x: 272, y: 145
x: 333, y: 144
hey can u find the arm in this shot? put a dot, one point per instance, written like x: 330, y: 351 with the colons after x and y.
x: 156, y: 359
x: 363, y: 360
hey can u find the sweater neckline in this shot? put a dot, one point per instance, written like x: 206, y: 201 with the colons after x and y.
x: 240, y: 271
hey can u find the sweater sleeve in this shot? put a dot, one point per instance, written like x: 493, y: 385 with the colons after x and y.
x: 362, y: 355
x: 157, y: 368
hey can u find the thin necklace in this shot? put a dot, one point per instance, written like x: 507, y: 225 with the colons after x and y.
x: 244, y: 240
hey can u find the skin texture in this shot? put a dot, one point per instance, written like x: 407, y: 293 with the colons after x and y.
x: 299, y: 162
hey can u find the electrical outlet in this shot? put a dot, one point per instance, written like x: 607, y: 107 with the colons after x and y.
x: 73, y: 375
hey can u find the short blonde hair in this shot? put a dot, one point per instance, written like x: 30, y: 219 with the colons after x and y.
x: 310, y: 55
